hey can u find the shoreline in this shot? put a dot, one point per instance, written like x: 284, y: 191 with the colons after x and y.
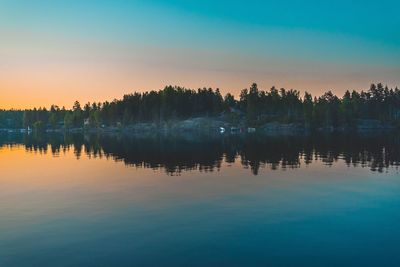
x: 218, y: 127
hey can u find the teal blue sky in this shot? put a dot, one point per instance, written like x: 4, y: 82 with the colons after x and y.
x: 98, y: 50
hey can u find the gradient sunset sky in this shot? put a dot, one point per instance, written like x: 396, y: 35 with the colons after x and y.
x: 59, y: 51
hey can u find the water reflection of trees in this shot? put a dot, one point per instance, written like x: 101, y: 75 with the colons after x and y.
x: 174, y: 155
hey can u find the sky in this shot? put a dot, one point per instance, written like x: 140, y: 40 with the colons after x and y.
x: 59, y: 51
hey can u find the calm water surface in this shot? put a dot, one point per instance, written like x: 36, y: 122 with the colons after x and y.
x: 195, y: 201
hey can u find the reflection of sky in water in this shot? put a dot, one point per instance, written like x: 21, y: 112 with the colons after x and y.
x: 95, y: 211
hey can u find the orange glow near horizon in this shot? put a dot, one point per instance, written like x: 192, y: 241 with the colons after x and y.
x: 44, y: 87
x: 40, y: 78
x: 54, y: 52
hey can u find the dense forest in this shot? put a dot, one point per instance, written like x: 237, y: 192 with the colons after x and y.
x: 254, y: 107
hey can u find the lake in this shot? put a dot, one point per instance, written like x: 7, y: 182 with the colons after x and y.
x: 78, y: 200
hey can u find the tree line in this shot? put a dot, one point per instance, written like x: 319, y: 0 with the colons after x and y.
x: 253, y: 107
